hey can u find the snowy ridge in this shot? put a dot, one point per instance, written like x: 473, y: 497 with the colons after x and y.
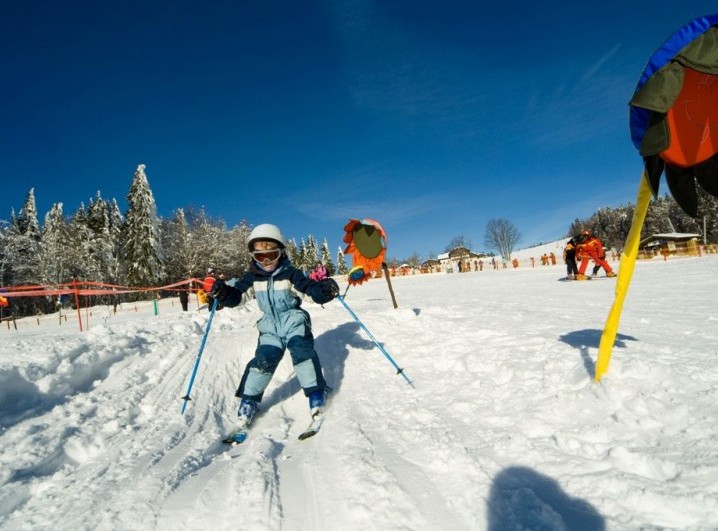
x: 504, y: 428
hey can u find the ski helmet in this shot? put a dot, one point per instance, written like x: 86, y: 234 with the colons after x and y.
x: 266, y: 231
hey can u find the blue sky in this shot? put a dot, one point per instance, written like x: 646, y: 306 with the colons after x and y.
x: 432, y: 117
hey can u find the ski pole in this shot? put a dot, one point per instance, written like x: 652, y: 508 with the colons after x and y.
x: 386, y: 354
x: 186, y: 398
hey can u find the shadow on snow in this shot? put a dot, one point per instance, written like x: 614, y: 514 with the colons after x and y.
x: 333, y: 349
x: 521, y: 498
x: 591, y: 338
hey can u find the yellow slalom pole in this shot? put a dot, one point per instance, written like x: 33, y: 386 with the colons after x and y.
x: 625, y: 272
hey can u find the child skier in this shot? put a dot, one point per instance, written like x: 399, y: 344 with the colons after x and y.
x: 569, y: 257
x: 284, y: 324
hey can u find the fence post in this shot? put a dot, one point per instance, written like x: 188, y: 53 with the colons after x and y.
x: 77, y: 301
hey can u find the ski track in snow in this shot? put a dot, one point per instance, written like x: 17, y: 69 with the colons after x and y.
x: 503, y: 429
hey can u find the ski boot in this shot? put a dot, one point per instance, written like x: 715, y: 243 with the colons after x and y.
x: 246, y: 412
x: 610, y: 274
x: 317, y: 401
x: 582, y: 277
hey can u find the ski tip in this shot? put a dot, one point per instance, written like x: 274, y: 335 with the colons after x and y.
x: 308, y: 434
x: 313, y: 428
x: 236, y: 438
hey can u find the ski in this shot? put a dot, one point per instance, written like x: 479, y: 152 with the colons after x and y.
x: 236, y: 437
x: 314, y: 427
x: 238, y: 434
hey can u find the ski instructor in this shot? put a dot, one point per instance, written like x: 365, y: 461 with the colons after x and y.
x: 284, y: 324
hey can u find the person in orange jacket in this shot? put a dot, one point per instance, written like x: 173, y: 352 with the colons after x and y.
x: 207, y: 285
x: 589, y: 246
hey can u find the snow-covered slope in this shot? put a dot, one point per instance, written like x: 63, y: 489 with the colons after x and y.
x: 504, y: 428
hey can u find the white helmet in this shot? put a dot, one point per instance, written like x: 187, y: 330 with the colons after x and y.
x: 265, y: 231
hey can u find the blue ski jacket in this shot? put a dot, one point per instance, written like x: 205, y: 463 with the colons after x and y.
x: 283, y: 318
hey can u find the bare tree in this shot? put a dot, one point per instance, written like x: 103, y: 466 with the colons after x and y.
x: 458, y: 241
x: 502, y: 235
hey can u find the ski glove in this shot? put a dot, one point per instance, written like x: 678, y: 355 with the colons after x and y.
x: 329, y: 287
x: 219, y: 291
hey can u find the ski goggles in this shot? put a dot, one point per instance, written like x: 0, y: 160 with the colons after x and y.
x: 267, y: 255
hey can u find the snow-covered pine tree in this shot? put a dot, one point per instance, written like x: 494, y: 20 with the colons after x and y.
x: 23, y: 244
x: 237, y: 251
x: 327, y: 258
x: 116, y: 270
x: 206, y: 247
x: 100, y: 245
x: 4, y: 263
x: 143, y: 248
x: 341, y: 262
x: 56, y: 248
x: 301, y: 262
x: 22, y: 254
x: 79, y: 242
x: 176, y: 242
x: 657, y: 219
x: 294, y: 253
x: 311, y: 254
x: 708, y: 215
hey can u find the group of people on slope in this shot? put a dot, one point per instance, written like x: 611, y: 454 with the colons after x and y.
x: 582, y: 248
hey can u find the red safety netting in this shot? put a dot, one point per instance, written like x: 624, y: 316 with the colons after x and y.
x: 87, y: 287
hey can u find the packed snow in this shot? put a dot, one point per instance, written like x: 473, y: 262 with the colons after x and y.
x: 503, y: 428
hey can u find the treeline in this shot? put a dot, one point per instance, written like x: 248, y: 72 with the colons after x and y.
x: 138, y: 248
x: 664, y: 215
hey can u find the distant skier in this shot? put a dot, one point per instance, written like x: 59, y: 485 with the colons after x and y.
x: 590, y: 247
x: 184, y: 299
x: 284, y: 324
x: 319, y: 272
x: 207, y: 287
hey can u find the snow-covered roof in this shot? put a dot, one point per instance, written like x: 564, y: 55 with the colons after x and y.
x: 668, y: 236
x: 675, y: 235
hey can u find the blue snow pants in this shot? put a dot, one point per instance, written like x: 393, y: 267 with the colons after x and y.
x: 294, y: 333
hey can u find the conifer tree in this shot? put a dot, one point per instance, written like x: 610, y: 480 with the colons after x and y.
x: 341, y: 263
x: 237, y: 252
x: 23, y: 243
x: 311, y: 253
x: 116, y: 224
x: 56, y: 247
x: 301, y: 262
x: 99, y: 248
x: 143, y: 250
x: 327, y: 259
x: 294, y: 253
x: 4, y: 263
x: 176, y: 241
x: 78, y: 244
x: 206, y: 243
